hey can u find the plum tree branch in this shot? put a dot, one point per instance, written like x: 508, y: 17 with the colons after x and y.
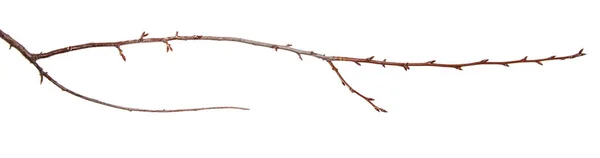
x: 288, y: 47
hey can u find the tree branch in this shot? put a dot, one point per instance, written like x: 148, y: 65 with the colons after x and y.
x: 329, y: 59
x: 33, y: 60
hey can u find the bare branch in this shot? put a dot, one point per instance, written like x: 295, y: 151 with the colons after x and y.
x: 329, y: 59
x: 31, y: 59
x: 407, y: 65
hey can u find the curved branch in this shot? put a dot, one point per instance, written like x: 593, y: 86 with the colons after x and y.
x: 329, y: 59
x: 13, y: 43
x: 177, y: 38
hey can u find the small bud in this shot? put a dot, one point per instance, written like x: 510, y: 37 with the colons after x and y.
x: 484, y: 60
x: 505, y: 65
x: 580, y: 53
x: 144, y: 34
x: 121, y: 53
x: 383, y: 64
x: 123, y: 57
x: 524, y: 59
x: 300, y: 56
x: 288, y: 45
x: 406, y: 68
x: 431, y: 62
x: 459, y: 68
x: 370, y: 99
x: 176, y: 33
x: 9, y: 47
x: 538, y: 62
x: 357, y: 63
x: 370, y: 58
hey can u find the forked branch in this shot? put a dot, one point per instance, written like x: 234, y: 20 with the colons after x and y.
x: 33, y: 60
x: 329, y: 59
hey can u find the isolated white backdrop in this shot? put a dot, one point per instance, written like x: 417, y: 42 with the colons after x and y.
x: 299, y: 108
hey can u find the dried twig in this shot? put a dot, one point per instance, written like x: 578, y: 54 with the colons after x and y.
x: 329, y: 59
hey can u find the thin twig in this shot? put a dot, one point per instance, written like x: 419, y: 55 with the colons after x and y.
x: 329, y: 59
x: 369, y: 100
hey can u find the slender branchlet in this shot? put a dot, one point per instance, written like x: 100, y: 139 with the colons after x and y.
x: 32, y: 58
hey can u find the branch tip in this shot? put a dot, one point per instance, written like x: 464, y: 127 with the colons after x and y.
x: 42, y: 78
x: 121, y: 53
x: 169, y: 48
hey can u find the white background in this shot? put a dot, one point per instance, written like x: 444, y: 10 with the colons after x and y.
x: 299, y: 108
